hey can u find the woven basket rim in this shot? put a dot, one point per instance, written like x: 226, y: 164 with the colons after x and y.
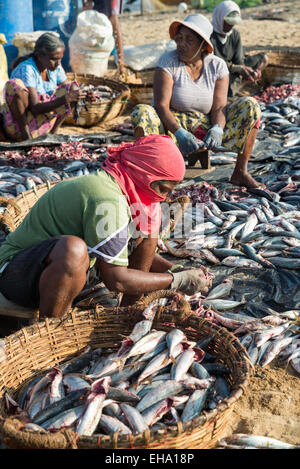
x: 228, y: 339
x: 279, y: 53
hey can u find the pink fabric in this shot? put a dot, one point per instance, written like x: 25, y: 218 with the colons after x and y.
x: 135, y: 166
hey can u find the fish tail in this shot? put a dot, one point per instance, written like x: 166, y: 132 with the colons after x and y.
x: 172, y: 360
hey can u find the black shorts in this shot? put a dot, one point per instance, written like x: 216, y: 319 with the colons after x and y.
x: 19, y: 282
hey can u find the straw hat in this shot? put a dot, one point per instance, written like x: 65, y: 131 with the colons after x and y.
x: 197, y: 23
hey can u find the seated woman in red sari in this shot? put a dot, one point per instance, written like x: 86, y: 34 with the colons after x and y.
x: 37, y: 96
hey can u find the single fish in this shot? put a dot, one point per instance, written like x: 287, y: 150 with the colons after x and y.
x: 71, y: 400
x: 221, y: 290
x: 173, y: 338
x: 65, y: 419
x: 111, y: 425
x: 134, y: 418
x: 222, y: 305
x: 233, y: 261
x: 89, y: 420
x: 154, y: 413
x: 194, y: 405
x: 259, y: 441
x: 183, y: 364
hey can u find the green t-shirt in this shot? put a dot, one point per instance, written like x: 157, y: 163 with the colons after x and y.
x: 91, y: 207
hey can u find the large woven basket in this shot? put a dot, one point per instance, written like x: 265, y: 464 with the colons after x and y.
x: 17, y: 208
x: 35, y: 349
x: 105, y: 111
x: 141, y: 86
x: 283, y: 67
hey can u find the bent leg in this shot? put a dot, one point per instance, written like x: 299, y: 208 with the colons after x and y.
x: 64, y: 276
x: 145, y: 121
x: 242, y: 121
x: 15, y: 122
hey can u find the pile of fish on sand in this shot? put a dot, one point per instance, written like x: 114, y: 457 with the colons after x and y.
x: 153, y: 380
x: 254, y: 230
x: 274, y: 336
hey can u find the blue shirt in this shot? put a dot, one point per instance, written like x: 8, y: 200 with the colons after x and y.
x: 28, y: 72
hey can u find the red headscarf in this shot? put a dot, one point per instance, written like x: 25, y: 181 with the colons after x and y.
x: 135, y: 166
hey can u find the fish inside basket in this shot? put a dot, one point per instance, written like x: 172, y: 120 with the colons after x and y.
x: 106, y: 109
x: 35, y: 350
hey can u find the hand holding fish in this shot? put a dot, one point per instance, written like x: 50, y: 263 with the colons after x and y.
x: 75, y: 94
x: 191, y: 281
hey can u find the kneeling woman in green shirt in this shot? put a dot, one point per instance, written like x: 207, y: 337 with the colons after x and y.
x: 44, y: 262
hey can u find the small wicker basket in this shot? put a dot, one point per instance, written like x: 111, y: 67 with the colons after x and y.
x: 34, y: 349
x: 101, y: 112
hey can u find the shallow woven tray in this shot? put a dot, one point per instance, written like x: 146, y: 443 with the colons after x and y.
x: 103, y: 111
x: 283, y: 67
x: 35, y: 349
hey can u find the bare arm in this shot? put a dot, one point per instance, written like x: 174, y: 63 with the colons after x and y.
x: 132, y: 282
x: 217, y: 113
x: 37, y: 107
x: 162, y: 89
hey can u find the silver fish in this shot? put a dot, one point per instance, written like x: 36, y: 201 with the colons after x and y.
x: 89, y: 420
x: 259, y: 441
x: 183, y: 364
x: 154, y: 413
x: 112, y: 425
x: 134, y: 418
x: 194, y: 405
x: 221, y: 290
x: 65, y: 419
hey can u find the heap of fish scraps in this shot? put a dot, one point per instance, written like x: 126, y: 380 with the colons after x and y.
x: 64, y: 152
x: 275, y: 336
x: 274, y: 93
x: 154, y: 380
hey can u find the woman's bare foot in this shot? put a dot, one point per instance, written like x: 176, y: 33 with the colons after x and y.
x: 240, y: 178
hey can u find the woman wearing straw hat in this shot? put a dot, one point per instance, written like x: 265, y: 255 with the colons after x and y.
x: 228, y: 45
x: 190, y: 100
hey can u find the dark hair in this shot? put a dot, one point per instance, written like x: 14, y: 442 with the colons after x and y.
x: 47, y: 44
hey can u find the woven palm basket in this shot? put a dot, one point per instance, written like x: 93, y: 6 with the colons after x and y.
x: 141, y: 86
x: 16, y: 209
x: 35, y: 349
x: 283, y: 67
x: 101, y: 112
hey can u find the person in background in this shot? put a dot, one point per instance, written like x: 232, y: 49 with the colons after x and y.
x: 228, y: 45
x: 112, y: 9
x: 190, y: 100
x: 111, y: 219
x: 37, y: 96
